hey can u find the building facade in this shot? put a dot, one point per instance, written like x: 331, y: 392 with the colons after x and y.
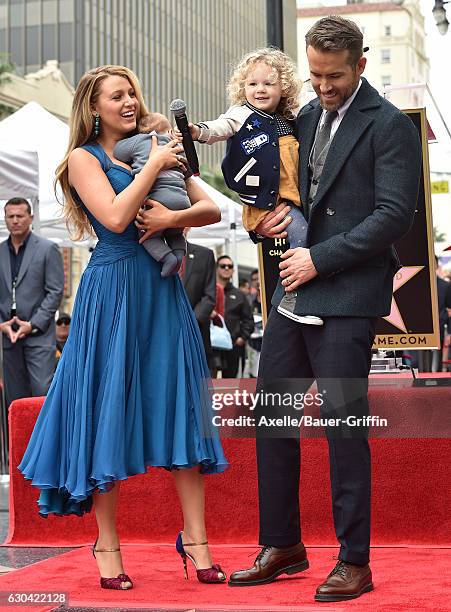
x: 178, y: 48
x: 395, y: 35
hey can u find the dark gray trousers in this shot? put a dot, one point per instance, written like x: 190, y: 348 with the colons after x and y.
x: 338, y: 356
x: 28, y: 370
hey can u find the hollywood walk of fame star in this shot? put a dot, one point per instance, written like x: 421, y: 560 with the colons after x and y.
x: 403, y: 276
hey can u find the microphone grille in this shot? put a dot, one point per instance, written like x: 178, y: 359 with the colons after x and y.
x: 178, y: 107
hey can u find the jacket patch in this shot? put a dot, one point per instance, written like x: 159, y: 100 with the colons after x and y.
x: 249, y: 145
x: 247, y: 166
x: 252, y: 180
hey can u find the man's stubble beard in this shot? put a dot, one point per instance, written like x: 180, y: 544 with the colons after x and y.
x: 343, y: 98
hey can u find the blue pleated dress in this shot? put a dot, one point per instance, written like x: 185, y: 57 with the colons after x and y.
x: 132, y: 387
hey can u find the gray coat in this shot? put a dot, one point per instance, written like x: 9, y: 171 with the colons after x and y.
x: 365, y: 202
x: 39, y: 288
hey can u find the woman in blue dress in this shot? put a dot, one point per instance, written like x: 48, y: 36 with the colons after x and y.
x: 132, y: 386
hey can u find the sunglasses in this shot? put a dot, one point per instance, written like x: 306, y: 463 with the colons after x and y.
x: 63, y: 322
x: 226, y: 266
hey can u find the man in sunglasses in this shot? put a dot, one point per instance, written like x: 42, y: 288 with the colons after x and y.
x: 238, y: 318
x: 62, y: 332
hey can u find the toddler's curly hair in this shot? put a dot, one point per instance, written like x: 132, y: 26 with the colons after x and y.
x: 281, y: 64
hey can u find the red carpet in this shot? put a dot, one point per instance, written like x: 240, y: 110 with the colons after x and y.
x: 404, y: 578
x: 410, y: 483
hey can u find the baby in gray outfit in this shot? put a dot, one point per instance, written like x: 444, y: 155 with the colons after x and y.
x: 169, y: 189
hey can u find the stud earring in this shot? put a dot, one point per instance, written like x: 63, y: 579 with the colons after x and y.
x: 96, y: 125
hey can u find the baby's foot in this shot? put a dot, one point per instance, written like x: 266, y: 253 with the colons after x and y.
x: 180, y: 254
x: 171, y: 265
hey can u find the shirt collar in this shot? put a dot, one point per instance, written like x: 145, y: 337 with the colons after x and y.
x: 22, y: 246
x: 342, y: 110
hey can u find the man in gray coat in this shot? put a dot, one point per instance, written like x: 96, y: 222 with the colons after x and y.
x: 359, y: 170
x: 31, y: 287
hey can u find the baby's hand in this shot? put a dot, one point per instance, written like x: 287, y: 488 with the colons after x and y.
x: 194, y: 130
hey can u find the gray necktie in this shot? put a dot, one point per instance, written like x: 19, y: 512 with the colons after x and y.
x: 323, y: 135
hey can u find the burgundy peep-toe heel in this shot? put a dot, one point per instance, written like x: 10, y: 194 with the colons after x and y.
x: 113, y: 583
x: 210, y: 575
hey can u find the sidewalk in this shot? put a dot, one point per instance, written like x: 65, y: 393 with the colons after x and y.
x: 12, y: 557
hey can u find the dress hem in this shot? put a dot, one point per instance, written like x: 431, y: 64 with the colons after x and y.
x: 81, y: 504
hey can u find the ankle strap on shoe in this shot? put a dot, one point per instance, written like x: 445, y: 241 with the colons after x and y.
x: 107, y: 549
x: 195, y: 544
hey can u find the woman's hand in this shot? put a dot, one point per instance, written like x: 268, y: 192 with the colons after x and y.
x: 166, y: 156
x: 156, y: 219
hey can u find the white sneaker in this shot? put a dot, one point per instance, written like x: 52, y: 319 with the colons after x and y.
x: 306, y: 319
x: 287, y: 306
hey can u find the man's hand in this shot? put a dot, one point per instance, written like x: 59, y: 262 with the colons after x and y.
x: 25, y: 328
x: 7, y: 329
x: 274, y: 224
x: 297, y: 268
x: 240, y: 342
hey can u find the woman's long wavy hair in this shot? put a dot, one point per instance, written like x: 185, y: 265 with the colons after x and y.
x: 81, y: 131
x: 285, y: 70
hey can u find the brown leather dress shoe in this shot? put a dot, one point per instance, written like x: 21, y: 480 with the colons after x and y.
x: 346, y: 581
x: 270, y: 563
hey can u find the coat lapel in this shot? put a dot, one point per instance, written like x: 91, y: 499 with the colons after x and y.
x: 351, y: 128
x: 28, y: 256
x: 307, y: 123
x: 353, y: 125
x: 5, y: 263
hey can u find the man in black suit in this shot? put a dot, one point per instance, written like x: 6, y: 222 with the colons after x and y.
x: 199, y: 278
x: 359, y: 169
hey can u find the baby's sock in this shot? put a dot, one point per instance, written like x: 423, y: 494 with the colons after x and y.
x: 179, y: 253
x: 171, y: 265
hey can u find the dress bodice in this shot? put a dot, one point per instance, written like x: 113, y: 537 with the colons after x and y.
x: 112, y: 246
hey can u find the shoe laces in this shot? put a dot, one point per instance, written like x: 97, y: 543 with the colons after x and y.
x: 261, y: 554
x: 340, y: 568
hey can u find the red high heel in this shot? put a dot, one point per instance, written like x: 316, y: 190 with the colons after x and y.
x: 210, y: 575
x: 113, y: 583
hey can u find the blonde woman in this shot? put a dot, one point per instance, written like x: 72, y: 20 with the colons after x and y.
x: 131, y: 388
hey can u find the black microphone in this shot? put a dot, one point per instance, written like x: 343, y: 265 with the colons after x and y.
x: 178, y: 108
